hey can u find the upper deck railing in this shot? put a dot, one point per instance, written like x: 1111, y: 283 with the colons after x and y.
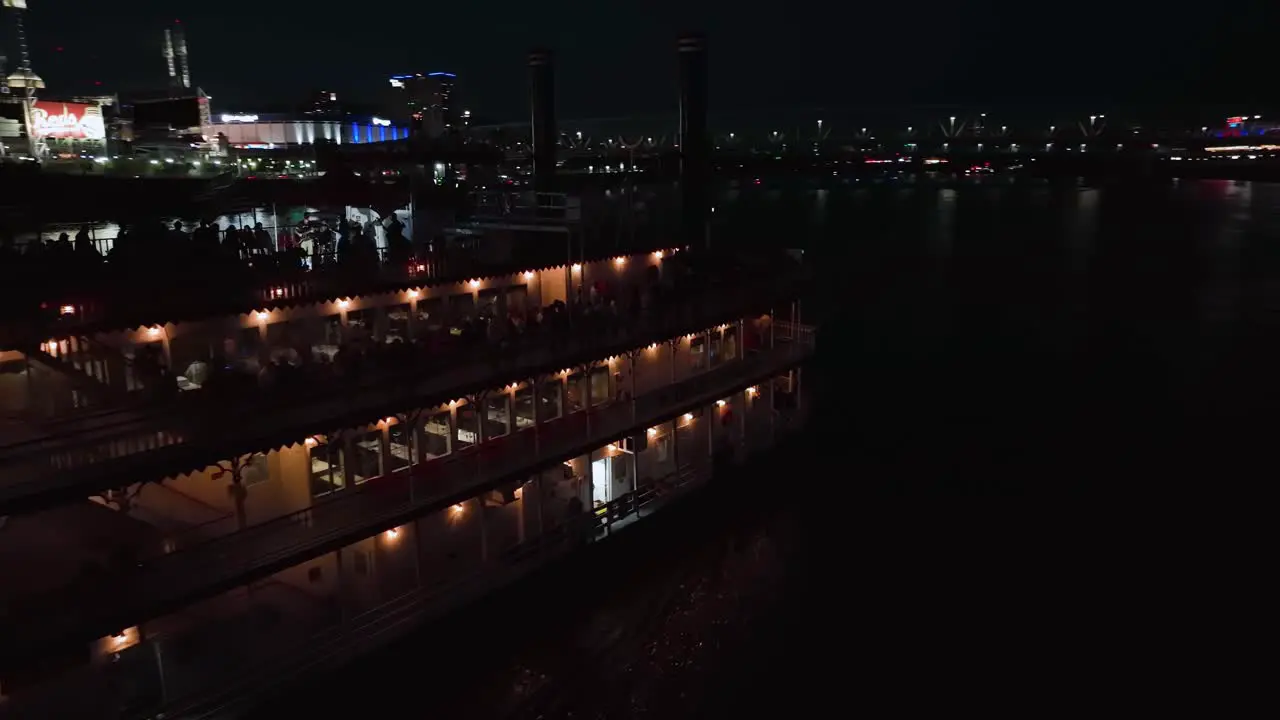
x: 531, y: 207
x: 168, y: 581
x: 278, y: 656
x: 109, y: 449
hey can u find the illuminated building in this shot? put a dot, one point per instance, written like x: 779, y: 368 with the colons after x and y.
x: 324, y: 104
x: 1249, y: 126
x: 424, y: 100
x: 69, y: 128
x: 261, y: 131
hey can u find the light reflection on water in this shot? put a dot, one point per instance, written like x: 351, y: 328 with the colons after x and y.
x: 104, y: 234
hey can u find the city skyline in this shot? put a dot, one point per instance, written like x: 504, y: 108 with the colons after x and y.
x: 618, y: 61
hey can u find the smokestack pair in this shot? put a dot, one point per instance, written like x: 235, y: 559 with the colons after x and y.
x: 175, y: 48
x: 695, y: 146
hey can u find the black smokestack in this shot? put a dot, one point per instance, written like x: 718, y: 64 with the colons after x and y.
x: 542, y: 96
x: 695, y: 149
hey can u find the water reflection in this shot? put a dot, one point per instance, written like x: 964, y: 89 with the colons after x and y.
x: 277, y: 221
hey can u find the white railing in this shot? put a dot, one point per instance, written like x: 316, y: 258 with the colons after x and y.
x: 123, y: 599
x: 126, y: 443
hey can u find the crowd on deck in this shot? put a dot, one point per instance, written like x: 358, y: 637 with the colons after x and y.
x: 358, y: 353
x: 487, y: 335
x: 151, y: 245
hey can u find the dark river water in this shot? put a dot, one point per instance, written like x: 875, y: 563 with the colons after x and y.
x: 995, y: 362
x: 1059, y: 339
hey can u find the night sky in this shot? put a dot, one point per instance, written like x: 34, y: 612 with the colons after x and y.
x: 617, y: 58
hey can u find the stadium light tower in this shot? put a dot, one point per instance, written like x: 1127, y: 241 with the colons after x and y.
x: 25, y: 80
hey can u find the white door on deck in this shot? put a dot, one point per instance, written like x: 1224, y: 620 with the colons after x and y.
x: 601, y: 482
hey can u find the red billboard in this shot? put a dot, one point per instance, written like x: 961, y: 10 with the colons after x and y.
x: 55, y: 120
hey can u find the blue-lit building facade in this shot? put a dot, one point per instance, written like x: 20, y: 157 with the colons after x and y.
x: 267, y: 132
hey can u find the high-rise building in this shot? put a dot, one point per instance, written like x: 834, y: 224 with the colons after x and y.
x: 425, y: 101
x: 324, y: 103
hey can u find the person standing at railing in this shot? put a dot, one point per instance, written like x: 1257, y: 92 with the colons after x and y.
x: 205, y: 240
x: 262, y: 243
x: 231, y: 242
x: 9, y: 259
x: 575, y: 518
x: 344, y: 245
x: 84, y: 247
x: 61, y: 250
x: 120, y: 247
x: 176, y: 238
